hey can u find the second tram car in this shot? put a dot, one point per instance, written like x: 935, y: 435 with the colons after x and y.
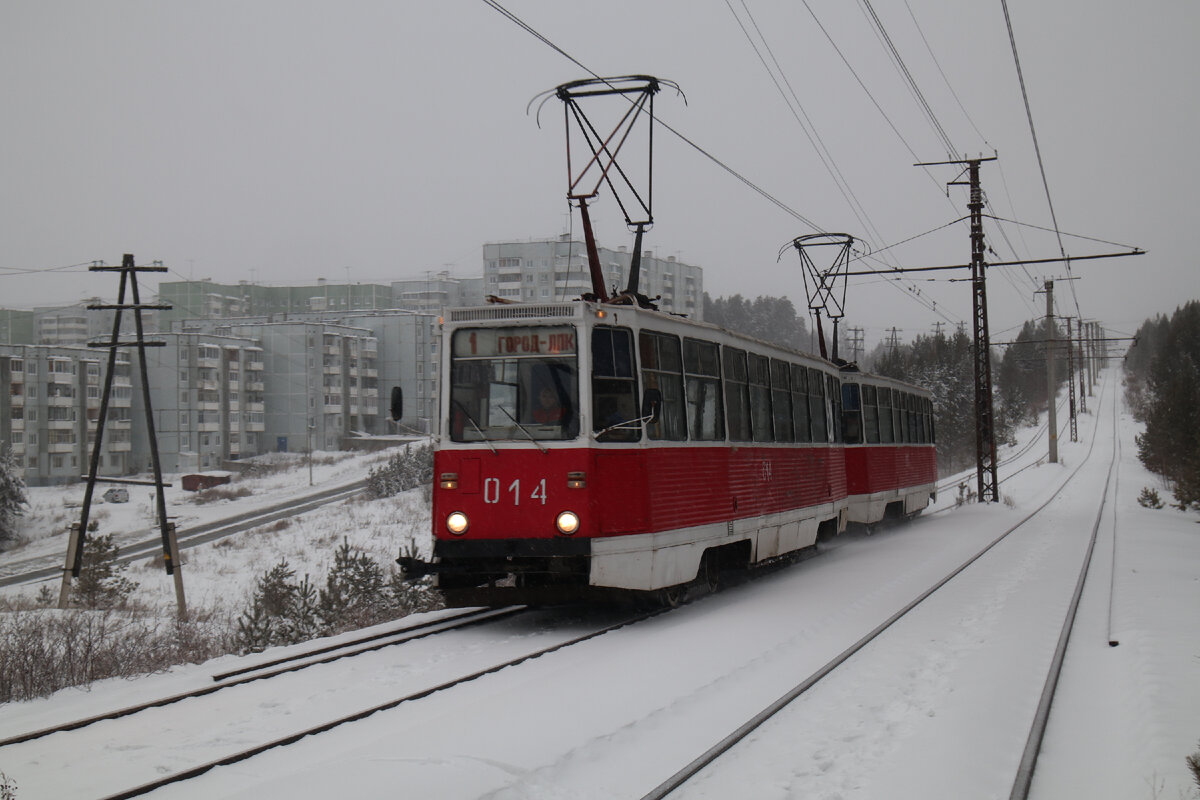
x: 591, y: 449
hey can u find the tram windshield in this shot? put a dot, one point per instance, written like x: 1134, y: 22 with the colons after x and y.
x: 514, y: 383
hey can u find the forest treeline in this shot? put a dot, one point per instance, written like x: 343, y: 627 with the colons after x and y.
x: 1162, y: 387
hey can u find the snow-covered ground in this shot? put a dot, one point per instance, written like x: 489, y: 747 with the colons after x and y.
x: 219, y: 576
x: 937, y: 708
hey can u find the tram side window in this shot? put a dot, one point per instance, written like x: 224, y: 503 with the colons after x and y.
x: 816, y: 405
x: 800, y: 403
x: 781, y: 401
x: 922, y: 420
x: 898, y: 416
x: 662, y: 369
x: 760, y: 398
x: 834, y: 393
x: 614, y: 386
x: 851, y: 414
x: 870, y: 414
x: 885, y: 416
x: 914, y: 433
x: 905, y: 427
x: 737, y: 403
x: 702, y: 370
x: 932, y: 423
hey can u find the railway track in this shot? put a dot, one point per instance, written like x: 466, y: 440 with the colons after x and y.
x: 279, y: 666
x: 11, y: 747
x: 1023, y: 778
x: 42, y: 568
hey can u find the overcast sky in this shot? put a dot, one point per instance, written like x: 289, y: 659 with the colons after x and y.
x: 283, y: 142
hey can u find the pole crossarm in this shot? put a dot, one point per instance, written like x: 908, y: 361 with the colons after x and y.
x: 898, y: 270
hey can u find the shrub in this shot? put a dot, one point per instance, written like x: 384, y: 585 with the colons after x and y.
x: 42, y: 651
x: 1149, y: 498
x: 357, y: 593
x: 403, y: 471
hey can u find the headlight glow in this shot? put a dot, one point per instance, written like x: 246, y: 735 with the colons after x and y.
x: 457, y: 523
x: 567, y: 522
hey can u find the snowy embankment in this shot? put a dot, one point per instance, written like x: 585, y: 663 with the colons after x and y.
x: 937, y: 708
x: 220, y: 576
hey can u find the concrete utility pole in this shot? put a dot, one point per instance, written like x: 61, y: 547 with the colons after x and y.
x: 1052, y: 423
x: 1071, y: 381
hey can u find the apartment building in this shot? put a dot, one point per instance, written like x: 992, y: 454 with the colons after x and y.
x: 557, y: 269
x: 50, y: 410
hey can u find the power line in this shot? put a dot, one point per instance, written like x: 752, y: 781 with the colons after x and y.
x: 1036, y: 147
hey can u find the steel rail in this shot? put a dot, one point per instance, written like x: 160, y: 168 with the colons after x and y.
x: 330, y: 653
x: 1033, y: 744
x: 713, y: 753
x: 243, y: 755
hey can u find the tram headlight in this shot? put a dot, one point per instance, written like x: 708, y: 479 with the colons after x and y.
x: 567, y: 522
x: 457, y: 523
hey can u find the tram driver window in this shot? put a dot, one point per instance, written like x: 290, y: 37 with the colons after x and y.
x: 614, y: 386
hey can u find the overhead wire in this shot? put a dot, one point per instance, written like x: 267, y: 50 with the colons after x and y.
x: 913, y: 292
x: 1037, y: 148
x: 797, y: 110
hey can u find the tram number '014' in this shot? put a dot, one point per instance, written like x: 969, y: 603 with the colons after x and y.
x: 492, y: 493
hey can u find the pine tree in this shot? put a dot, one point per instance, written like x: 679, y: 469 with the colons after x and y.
x: 1170, y: 445
x: 12, y: 495
x: 101, y: 583
x: 355, y: 590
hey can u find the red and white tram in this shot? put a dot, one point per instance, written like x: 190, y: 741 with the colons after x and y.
x: 591, y: 449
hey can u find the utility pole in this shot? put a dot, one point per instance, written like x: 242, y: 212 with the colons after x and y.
x: 1094, y: 349
x: 1052, y: 423
x: 78, y: 532
x: 894, y: 341
x: 1084, y: 364
x: 1071, y: 381
x: 985, y: 428
x: 856, y: 343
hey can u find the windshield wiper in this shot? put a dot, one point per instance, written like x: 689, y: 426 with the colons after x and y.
x: 628, y: 425
x: 474, y: 424
x: 523, y: 429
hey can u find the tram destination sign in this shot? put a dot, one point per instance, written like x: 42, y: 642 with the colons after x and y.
x: 515, y: 342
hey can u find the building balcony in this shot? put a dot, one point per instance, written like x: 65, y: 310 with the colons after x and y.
x: 60, y: 447
x: 18, y: 424
x: 208, y: 405
x: 334, y: 369
x: 119, y: 447
x: 60, y: 401
x: 331, y: 350
x: 259, y: 407
x: 61, y: 424
x: 255, y: 386
x: 369, y: 372
x: 333, y: 408
x: 370, y: 392
x: 118, y: 424
x: 214, y: 363
x: 119, y: 402
x: 256, y: 427
x: 209, y: 427
x: 213, y: 385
